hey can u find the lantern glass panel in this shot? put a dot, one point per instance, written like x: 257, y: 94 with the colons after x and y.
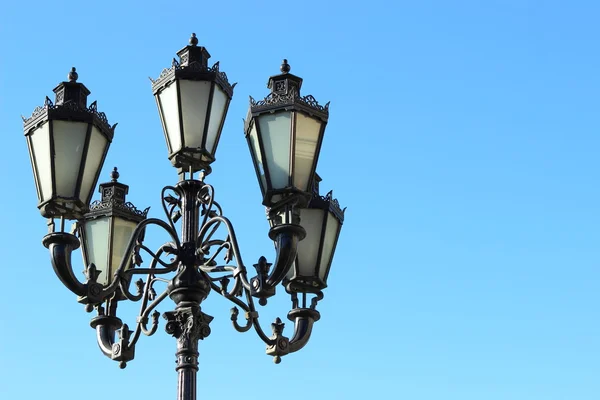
x: 121, y: 234
x: 307, y: 136
x: 40, y: 142
x: 308, y: 248
x: 257, y: 156
x: 331, y: 234
x: 194, y: 104
x: 275, y: 131
x: 217, y: 112
x: 69, y: 141
x: 169, y: 113
x: 96, y: 151
x: 97, y: 246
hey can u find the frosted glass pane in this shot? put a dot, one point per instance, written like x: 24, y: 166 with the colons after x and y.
x: 308, y: 248
x: 40, y: 141
x: 194, y: 102
x: 217, y: 113
x: 169, y: 112
x: 275, y: 132
x: 333, y: 227
x: 258, y: 155
x: 96, y: 238
x: 307, y: 136
x: 69, y: 140
x: 96, y: 150
x: 122, y: 232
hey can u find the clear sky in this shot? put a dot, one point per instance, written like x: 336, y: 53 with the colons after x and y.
x: 463, y: 138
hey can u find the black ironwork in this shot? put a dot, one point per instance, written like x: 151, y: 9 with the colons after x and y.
x: 285, y: 93
x: 188, y: 264
x: 284, y: 97
x: 195, y: 273
x: 70, y: 105
x: 113, y: 201
x: 192, y: 66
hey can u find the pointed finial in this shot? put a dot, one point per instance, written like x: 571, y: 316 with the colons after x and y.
x: 73, y: 75
x: 285, y: 67
x: 193, y: 40
x: 114, y: 174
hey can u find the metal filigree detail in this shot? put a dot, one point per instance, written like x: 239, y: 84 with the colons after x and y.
x: 291, y: 98
x: 330, y: 202
x: 67, y: 108
x: 188, y: 323
x: 194, y: 68
x: 114, y: 203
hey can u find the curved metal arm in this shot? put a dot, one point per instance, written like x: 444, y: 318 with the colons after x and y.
x: 150, y: 271
x: 136, y: 234
x: 61, y: 245
x: 286, y: 237
x: 233, y: 246
x: 144, y: 313
x: 304, y: 319
x: 106, y: 327
x: 251, y: 313
x: 108, y: 290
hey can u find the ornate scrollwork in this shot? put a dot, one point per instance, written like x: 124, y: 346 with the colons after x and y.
x: 49, y: 107
x: 188, y: 323
x: 182, y: 68
x: 99, y: 205
x: 310, y: 101
x: 165, y: 73
x: 291, y: 98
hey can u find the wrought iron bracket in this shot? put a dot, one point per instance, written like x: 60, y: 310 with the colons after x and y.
x: 107, y: 327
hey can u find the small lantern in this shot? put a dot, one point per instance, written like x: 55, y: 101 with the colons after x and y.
x: 192, y: 101
x: 105, y: 231
x: 284, y: 133
x: 322, y: 220
x: 67, y: 144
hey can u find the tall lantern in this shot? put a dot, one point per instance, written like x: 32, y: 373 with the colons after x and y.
x: 284, y: 133
x: 106, y: 230
x: 192, y: 101
x: 67, y: 142
x: 322, y: 220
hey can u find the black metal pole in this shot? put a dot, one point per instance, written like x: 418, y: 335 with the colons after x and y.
x: 188, y: 289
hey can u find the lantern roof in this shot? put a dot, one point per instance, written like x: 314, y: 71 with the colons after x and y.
x: 192, y: 65
x: 326, y: 202
x: 285, y: 95
x: 70, y: 103
x: 113, y: 201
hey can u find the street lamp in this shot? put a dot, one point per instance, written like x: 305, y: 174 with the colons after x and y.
x: 322, y: 220
x: 68, y: 142
x: 284, y: 133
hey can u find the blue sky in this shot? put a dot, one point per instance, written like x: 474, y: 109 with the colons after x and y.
x: 463, y: 139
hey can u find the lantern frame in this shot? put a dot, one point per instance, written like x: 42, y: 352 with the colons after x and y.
x: 192, y: 66
x: 284, y: 97
x: 295, y: 282
x: 70, y: 105
x: 112, y: 205
x: 202, y: 248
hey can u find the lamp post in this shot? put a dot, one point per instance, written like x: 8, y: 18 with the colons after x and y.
x: 68, y: 142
